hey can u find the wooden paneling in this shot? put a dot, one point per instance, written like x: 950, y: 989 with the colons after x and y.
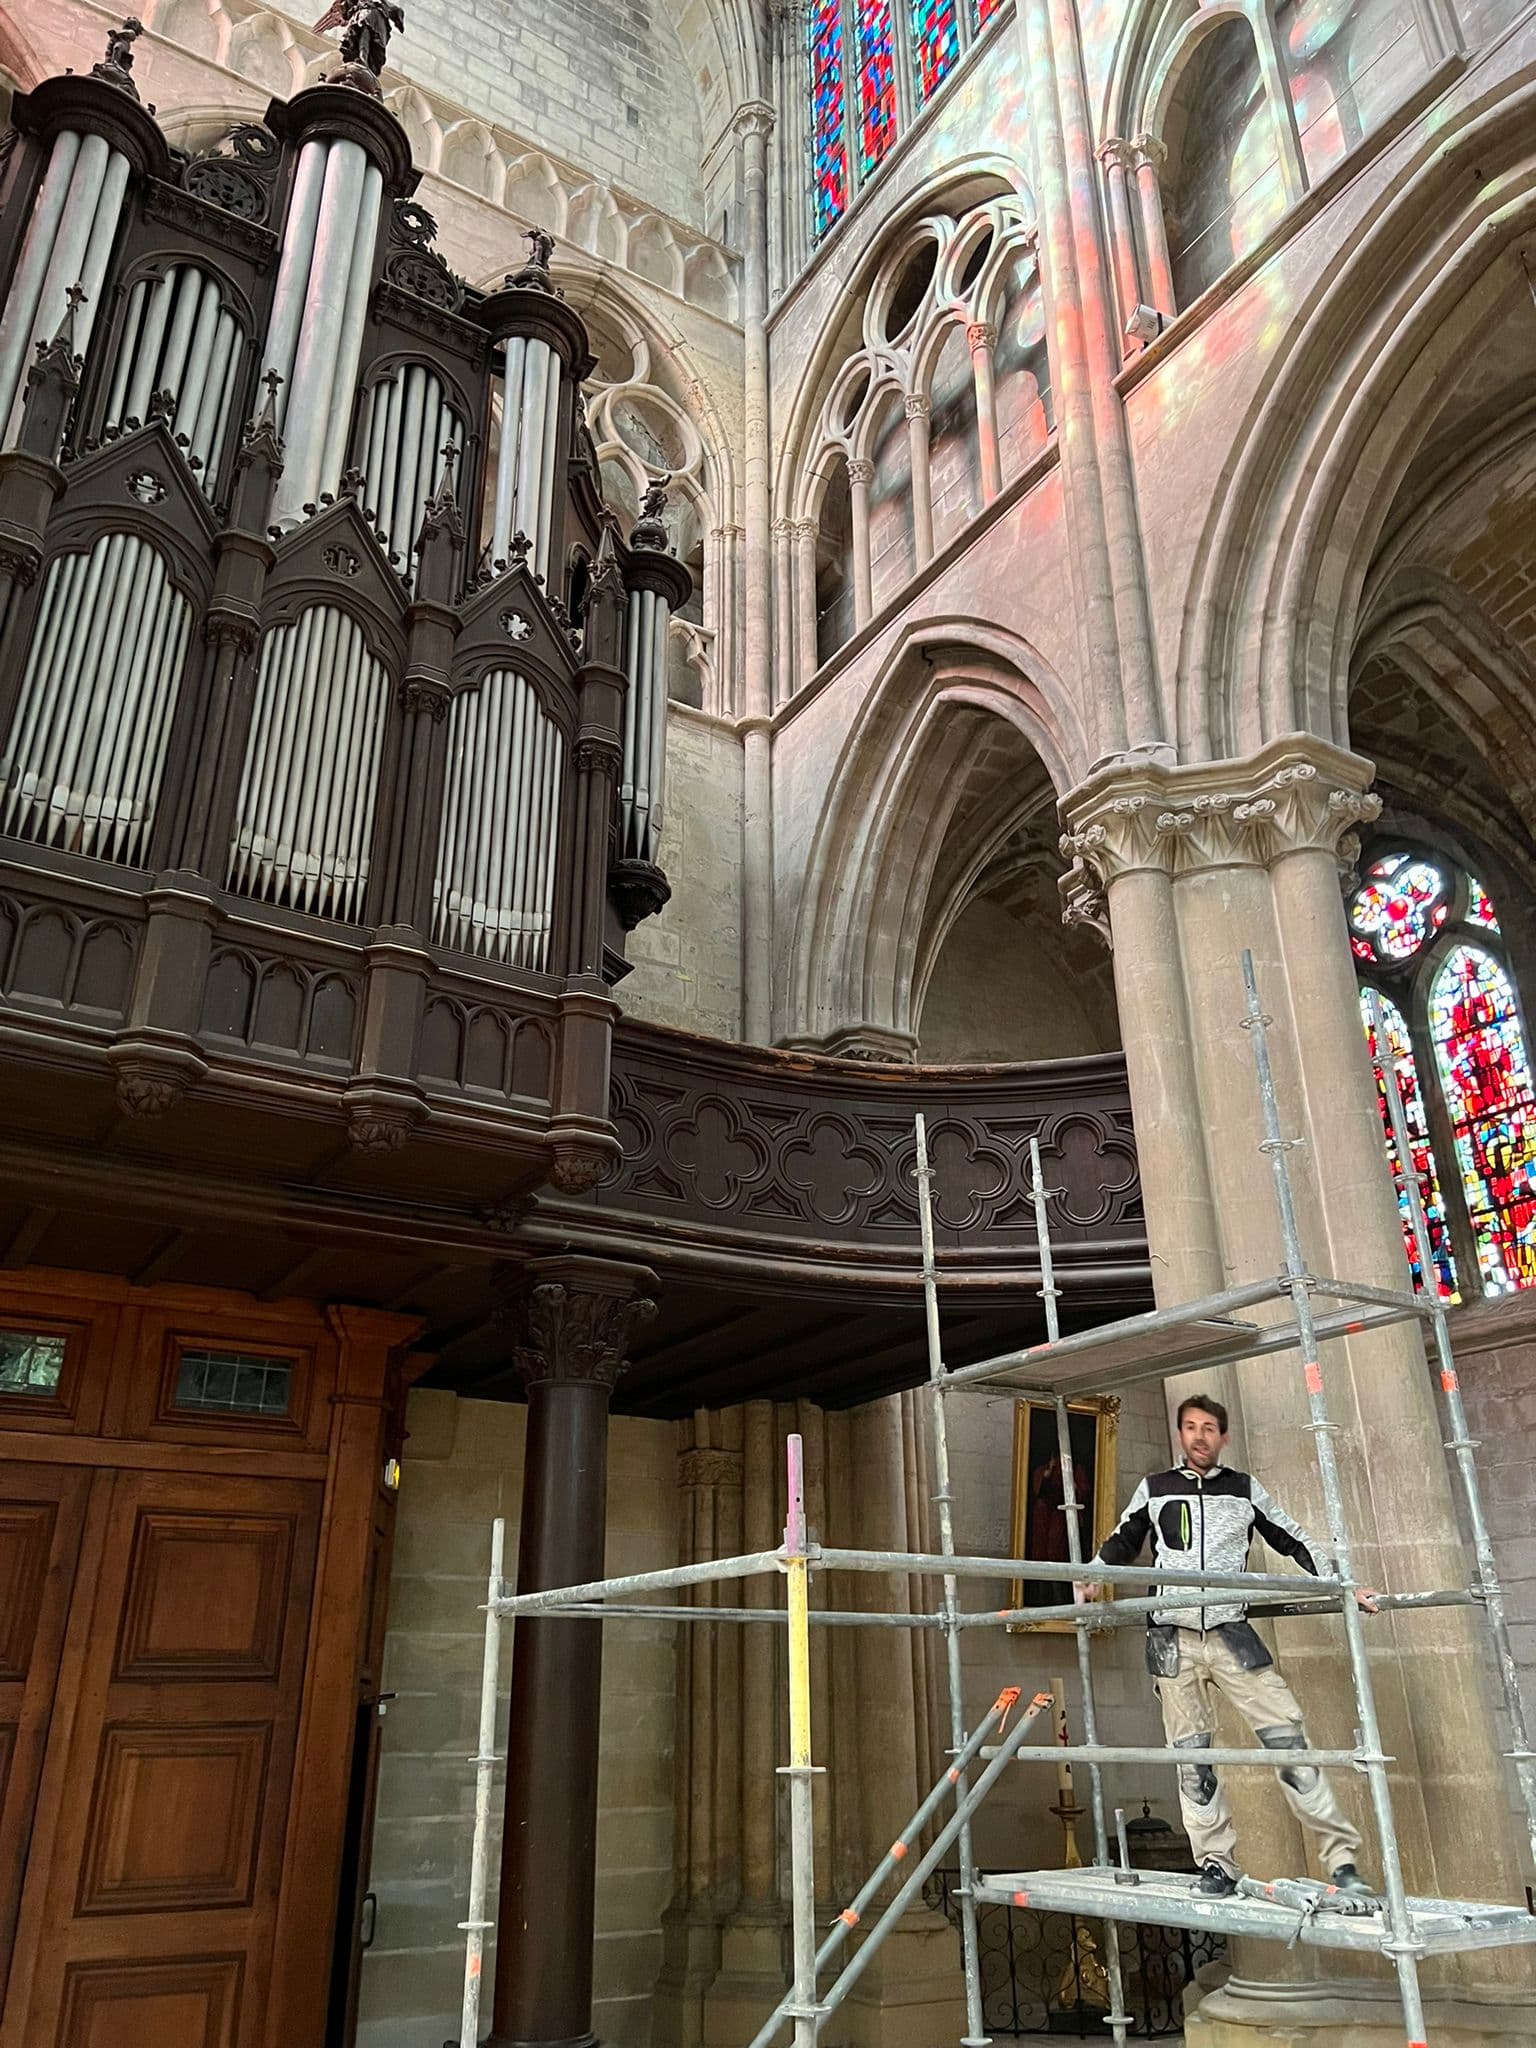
x: 208, y: 1595
x: 151, y: 2005
x: 169, y: 1804
x: 187, y: 1629
x: 41, y: 1513
x: 175, y: 1819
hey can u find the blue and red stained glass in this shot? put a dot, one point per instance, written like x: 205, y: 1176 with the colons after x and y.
x: 1401, y: 902
x: 985, y: 9
x: 1405, y: 1073
x: 877, y: 80
x: 936, y: 38
x: 1485, y: 1071
x: 829, y: 149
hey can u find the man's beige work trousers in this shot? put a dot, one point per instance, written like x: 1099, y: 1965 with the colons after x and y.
x: 1207, y: 1667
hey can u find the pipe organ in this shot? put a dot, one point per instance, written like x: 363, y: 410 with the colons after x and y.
x: 308, y: 594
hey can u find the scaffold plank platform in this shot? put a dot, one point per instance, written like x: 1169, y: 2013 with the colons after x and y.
x: 1207, y: 1333
x: 1168, y: 1899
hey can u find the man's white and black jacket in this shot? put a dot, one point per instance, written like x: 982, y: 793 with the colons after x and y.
x: 1203, y: 1522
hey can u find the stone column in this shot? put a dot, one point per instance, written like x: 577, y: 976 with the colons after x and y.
x: 1150, y: 156
x: 1117, y: 158
x: 861, y: 474
x: 982, y: 337
x: 809, y: 657
x: 753, y: 124
x: 919, y: 408
x: 1244, y: 853
x: 785, y: 638
x: 571, y: 1320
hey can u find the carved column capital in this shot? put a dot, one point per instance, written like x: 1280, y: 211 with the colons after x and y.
x: 919, y: 405
x: 1298, y: 794
x: 754, y: 117
x: 1116, y: 154
x: 860, y: 470
x: 981, y: 334
x: 807, y: 529
x: 431, y: 698
x: 784, y: 529
x: 1149, y: 151
x: 573, y: 1318
x: 707, y: 1469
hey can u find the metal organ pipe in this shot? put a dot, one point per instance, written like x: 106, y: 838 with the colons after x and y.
x: 178, y: 336
x: 314, y: 334
x: 93, y: 720
x: 410, y: 420
x: 68, y: 242
x: 495, y: 887
x: 506, y: 456
x: 308, y: 787
x: 643, y: 770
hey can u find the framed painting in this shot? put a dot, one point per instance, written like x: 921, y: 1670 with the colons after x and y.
x: 1039, y: 1523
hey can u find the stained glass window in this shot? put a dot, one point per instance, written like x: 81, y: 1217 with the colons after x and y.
x: 985, y: 9
x: 936, y: 35
x: 1403, y: 1067
x: 829, y: 149
x: 1485, y: 1072
x: 1401, y: 902
x: 877, y: 81
x: 1479, y: 909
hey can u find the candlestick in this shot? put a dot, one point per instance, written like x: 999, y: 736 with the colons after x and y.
x: 1064, y: 1789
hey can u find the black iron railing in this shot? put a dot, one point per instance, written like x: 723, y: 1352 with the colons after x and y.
x: 1043, y: 1973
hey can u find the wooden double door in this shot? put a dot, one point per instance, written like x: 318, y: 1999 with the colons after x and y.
x: 182, y: 1654
x: 155, y: 1633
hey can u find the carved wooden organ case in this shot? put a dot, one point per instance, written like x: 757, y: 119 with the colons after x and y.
x: 313, y: 624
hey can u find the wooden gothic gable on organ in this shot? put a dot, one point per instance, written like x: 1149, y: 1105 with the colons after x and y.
x: 140, y: 481
x: 514, y: 622
x: 337, y: 558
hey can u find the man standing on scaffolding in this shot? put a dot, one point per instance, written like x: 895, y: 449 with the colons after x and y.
x: 1203, y: 1516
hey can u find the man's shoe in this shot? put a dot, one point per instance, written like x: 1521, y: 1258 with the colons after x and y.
x: 1347, y: 1879
x: 1214, y: 1882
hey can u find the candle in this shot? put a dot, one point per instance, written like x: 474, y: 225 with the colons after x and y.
x: 1059, y: 1720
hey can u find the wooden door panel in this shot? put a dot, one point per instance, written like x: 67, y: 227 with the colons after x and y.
x: 164, y: 1869
x: 207, y: 1597
x: 41, y: 1515
x: 151, y: 2005
x: 175, y: 1819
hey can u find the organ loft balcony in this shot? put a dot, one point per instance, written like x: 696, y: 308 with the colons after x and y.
x: 333, y: 721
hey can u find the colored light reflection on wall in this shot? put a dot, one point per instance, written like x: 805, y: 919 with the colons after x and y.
x: 936, y: 39
x: 1486, y: 1074
x: 1399, y: 1060
x: 829, y: 151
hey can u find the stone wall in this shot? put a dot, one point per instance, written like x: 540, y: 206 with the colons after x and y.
x: 1495, y: 1345
x: 1012, y: 986
x: 462, y: 1467
x: 687, y: 961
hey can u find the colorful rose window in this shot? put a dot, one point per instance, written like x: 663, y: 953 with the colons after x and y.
x: 1402, y: 901
x: 1405, y: 1072
x: 1479, y: 909
x: 1485, y: 1072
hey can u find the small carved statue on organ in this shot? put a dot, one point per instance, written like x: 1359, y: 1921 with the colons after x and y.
x: 535, y: 272
x: 366, y: 26
x: 117, y: 65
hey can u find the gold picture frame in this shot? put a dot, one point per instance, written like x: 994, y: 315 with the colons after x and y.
x: 1095, y: 1425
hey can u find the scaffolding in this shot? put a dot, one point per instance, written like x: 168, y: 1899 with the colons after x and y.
x: 1218, y: 1330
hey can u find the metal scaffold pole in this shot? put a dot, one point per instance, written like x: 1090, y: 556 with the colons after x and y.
x: 1401, y: 1945
x: 975, y: 2035
x: 1461, y: 1444
x: 800, y: 1771
x: 476, y: 1926
x: 1050, y: 1294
